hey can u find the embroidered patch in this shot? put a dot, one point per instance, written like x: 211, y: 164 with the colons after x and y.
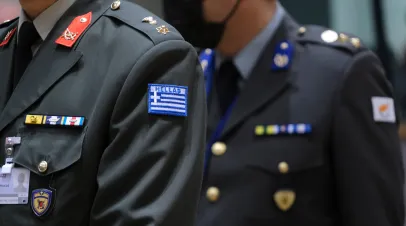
x: 167, y: 99
x: 41, y: 201
x: 383, y: 109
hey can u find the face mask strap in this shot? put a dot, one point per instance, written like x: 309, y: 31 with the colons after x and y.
x: 232, y: 12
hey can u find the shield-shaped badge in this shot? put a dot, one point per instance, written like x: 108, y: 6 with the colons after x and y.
x: 41, y: 200
x: 284, y: 199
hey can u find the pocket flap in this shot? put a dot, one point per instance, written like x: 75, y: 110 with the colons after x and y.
x: 298, y: 158
x: 59, y: 149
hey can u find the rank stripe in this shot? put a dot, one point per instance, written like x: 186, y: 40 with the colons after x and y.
x: 292, y: 129
x: 42, y: 120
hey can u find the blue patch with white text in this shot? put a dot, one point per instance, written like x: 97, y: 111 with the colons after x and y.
x: 167, y: 100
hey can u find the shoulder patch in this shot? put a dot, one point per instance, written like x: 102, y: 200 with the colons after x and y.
x: 323, y: 36
x: 7, y: 23
x: 166, y: 99
x: 144, y: 21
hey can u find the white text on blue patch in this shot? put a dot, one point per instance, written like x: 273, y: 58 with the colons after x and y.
x: 167, y: 99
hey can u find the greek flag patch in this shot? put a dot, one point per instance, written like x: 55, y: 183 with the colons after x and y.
x: 167, y: 100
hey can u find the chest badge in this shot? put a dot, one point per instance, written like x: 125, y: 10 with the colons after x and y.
x: 284, y: 199
x: 41, y: 201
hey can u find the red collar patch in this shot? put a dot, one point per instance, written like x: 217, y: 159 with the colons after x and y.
x: 8, y: 37
x: 75, y: 30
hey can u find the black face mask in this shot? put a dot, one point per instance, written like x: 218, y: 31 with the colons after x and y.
x: 187, y: 17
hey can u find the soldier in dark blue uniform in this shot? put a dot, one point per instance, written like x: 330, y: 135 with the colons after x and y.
x: 302, y: 124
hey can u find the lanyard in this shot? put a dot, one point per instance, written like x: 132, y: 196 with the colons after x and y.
x: 207, y: 60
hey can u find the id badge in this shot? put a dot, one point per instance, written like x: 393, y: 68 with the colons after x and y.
x: 14, y: 187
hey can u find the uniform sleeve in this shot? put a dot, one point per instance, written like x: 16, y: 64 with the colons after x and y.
x: 366, y: 153
x: 151, y: 172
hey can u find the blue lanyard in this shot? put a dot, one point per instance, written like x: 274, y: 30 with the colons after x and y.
x: 207, y: 59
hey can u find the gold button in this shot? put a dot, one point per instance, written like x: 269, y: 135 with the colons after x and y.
x: 42, y: 166
x: 218, y: 148
x: 302, y: 30
x: 213, y: 194
x: 115, y: 5
x: 356, y: 42
x: 283, y: 167
x: 343, y: 37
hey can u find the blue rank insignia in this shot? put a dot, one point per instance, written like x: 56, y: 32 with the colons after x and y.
x: 41, y: 201
x: 54, y: 120
x: 289, y: 129
x: 167, y: 100
x: 283, y: 56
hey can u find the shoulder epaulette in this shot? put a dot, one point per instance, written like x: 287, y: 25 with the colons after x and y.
x: 320, y: 35
x: 144, y: 21
x: 7, y: 23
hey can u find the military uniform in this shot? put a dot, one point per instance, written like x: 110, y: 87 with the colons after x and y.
x: 97, y: 151
x: 311, y: 140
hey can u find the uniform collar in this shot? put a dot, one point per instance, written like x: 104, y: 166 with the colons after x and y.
x: 246, y: 59
x: 46, y: 21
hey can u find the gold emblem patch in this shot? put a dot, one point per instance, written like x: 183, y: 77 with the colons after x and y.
x: 284, y: 199
x: 41, y: 200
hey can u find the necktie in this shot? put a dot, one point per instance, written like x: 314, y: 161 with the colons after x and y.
x: 27, y: 36
x: 227, y: 84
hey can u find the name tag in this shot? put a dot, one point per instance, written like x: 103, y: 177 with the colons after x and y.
x: 14, y: 187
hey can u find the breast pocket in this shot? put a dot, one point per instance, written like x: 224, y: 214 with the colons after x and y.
x: 46, y: 151
x: 282, y: 158
x: 293, y: 170
x: 53, y: 156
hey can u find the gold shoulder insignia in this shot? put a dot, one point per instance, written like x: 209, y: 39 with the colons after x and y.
x: 142, y: 20
x: 319, y: 35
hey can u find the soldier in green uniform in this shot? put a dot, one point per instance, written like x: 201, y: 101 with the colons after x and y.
x: 302, y: 126
x: 102, y: 117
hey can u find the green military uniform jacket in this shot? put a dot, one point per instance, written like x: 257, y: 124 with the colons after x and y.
x: 125, y: 165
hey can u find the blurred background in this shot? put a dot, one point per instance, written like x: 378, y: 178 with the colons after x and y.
x: 379, y: 23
